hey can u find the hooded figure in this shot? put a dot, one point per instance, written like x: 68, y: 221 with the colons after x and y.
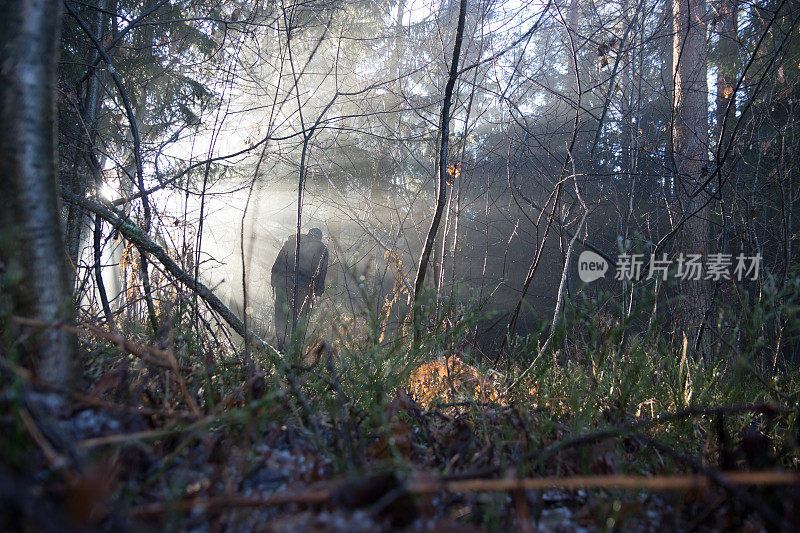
x: 311, y: 270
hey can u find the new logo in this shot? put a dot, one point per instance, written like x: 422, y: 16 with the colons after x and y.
x: 591, y: 266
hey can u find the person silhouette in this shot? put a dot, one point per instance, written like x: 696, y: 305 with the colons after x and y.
x: 292, y: 315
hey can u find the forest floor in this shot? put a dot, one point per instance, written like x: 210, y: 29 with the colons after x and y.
x: 145, y: 449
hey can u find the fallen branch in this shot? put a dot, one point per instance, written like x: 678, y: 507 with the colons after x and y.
x: 678, y: 482
x: 717, y: 478
x: 325, y: 495
x: 137, y: 237
x: 55, y: 459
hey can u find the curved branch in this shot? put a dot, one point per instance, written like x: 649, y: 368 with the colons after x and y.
x: 138, y: 238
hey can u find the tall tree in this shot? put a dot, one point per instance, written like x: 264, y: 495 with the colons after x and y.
x: 690, y: 138
x: 31, y: 250
x: 726, y: 71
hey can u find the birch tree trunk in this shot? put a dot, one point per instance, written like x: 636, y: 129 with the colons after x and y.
x: 34, y: 280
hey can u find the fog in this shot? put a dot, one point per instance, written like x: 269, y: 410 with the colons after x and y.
x: 349, y: 105
x: 374, y: 243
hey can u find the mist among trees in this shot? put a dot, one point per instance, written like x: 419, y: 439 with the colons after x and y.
x: 373, y: 265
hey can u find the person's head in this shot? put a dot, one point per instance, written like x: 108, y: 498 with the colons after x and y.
x: 315, y: 234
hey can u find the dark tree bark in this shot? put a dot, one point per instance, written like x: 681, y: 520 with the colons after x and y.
x: 85, y: 172
x: 133, y: 120
x: 668, y: 79
x: 690, y: 138
x: 34, y: 276
x: 98, y: 269
x: 726, y: 71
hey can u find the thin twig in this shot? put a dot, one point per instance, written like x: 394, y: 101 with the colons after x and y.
x: 718, y: 479
x: 55, y: 459
x: 148, y: 354
x: 166, y: 358
x: 617, y: 431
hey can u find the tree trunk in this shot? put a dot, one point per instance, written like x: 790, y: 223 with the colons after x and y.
x: 690, y: 139
x: 31, y: 248
x: 667, y: 79
x: 85, y: 172
x: 441, y: 191
x: 726, y: 71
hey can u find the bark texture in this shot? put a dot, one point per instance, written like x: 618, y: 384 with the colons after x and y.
x: 726, y: 73
x: 690, y: 138
x: 31, y: 249
x: 85, y: 172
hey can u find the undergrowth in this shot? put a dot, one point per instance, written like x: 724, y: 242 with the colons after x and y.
x: 367, y: 400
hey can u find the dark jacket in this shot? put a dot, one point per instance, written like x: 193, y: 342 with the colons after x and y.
x: 312, y: 268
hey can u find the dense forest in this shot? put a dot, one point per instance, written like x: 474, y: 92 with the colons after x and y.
x: 376, y: 265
